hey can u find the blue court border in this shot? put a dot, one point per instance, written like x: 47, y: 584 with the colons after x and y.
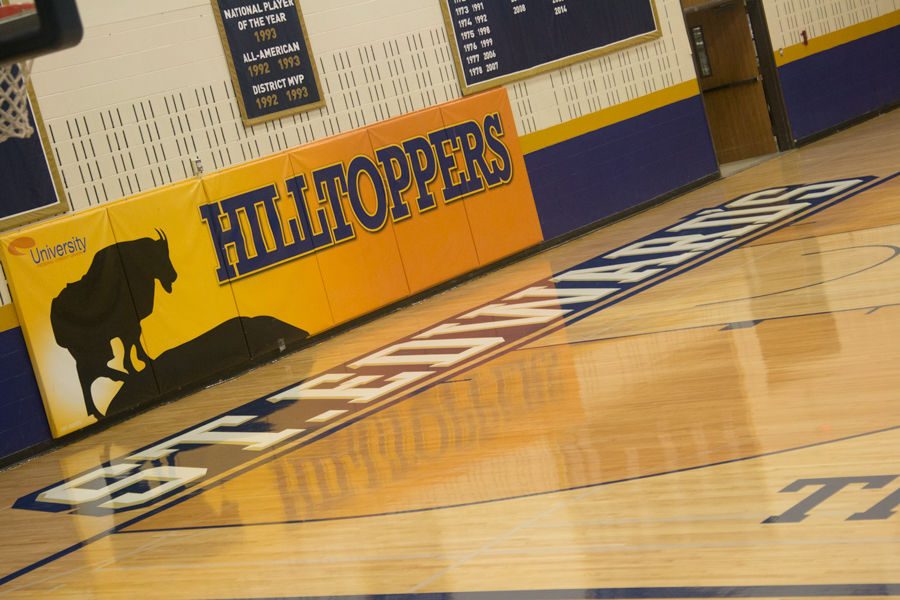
x: 747, y: 591
x: 119, y: 529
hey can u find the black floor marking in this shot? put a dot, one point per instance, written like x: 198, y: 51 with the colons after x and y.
x: 722, y: 326
x: 742, y: 325
x: 894, y: 252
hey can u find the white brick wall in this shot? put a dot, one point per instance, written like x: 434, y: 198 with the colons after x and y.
x: 148, y: 89
x: 787, y: 18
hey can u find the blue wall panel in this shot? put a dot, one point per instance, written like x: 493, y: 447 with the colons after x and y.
x: 604, y: 172
x: 25, y: 180
x: 835, y: 86
x: 23, y: 422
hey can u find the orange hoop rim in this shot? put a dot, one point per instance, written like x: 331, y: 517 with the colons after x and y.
x: 11, y: 10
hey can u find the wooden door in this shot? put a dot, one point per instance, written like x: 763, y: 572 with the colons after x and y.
x: 729, y: 77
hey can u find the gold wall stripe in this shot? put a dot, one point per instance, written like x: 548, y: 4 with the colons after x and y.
x: 837, y: 38
x: 608, y: 116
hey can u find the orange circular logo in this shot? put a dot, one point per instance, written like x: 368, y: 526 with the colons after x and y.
x: 20, y: 246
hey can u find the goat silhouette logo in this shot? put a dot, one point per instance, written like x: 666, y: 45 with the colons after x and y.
x: 107, y: 303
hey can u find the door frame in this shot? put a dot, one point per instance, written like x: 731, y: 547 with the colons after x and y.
x: 781, y: 126
x: 768, y: 70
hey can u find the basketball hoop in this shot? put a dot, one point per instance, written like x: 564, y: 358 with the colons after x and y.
x: 15, y: 121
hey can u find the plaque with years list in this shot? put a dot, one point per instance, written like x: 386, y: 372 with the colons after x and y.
x: 500, y: 41
x: 269, y: 56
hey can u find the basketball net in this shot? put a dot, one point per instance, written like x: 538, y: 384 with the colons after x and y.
x: 15, y: 121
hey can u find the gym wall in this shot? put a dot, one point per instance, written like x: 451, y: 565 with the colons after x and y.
x: 848, y: 67
x: 147, y: 95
